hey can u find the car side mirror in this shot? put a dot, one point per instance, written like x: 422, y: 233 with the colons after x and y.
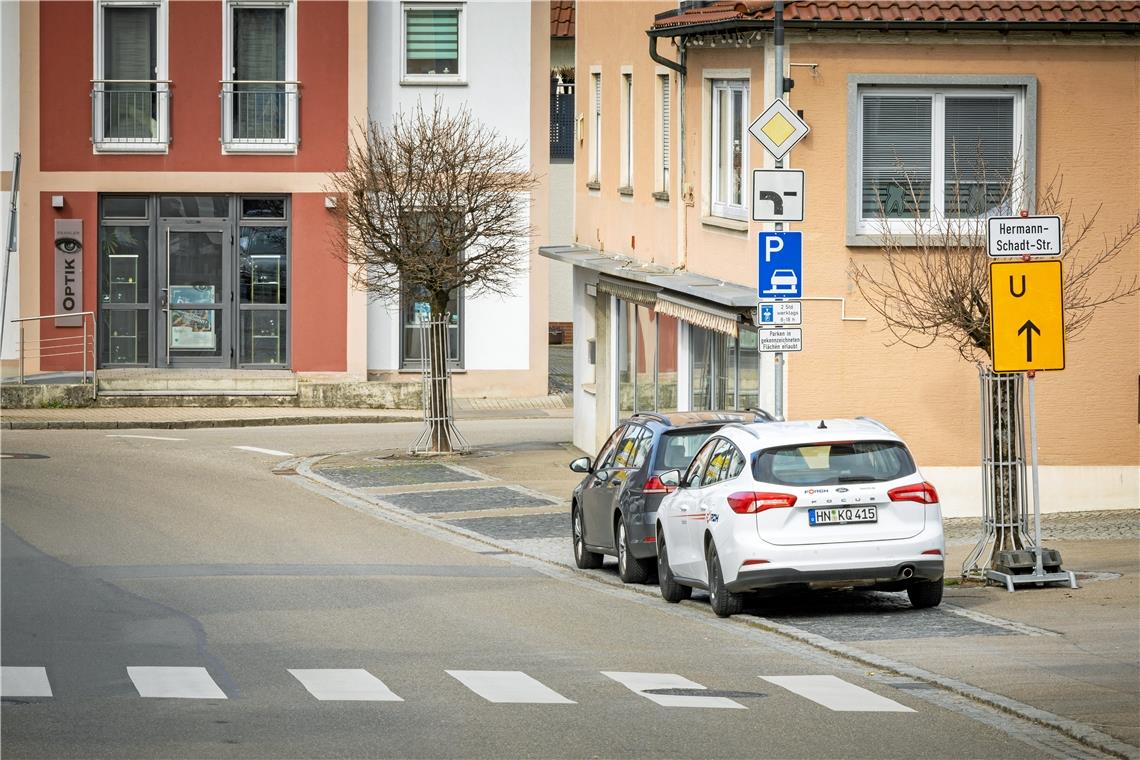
x: 670, y: 478
x: 581, y: 464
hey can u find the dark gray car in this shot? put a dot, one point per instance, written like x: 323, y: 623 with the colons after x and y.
x: 614, y: 508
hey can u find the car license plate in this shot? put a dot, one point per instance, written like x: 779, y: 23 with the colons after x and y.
x: 842, y: 515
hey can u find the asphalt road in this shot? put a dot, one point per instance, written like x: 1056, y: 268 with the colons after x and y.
x: 178, y: 549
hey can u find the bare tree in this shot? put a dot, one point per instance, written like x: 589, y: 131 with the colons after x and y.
x: 432, y: 203
x: 932, y: 281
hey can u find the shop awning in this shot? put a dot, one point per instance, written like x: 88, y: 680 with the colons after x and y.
x: 698, y: 299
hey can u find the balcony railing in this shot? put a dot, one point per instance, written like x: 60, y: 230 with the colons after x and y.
x: 260, y: 115
x: 130, y: 114
x: 561, y: 120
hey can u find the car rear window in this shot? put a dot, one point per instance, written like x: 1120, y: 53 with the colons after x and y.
x: 821, y: 464
x: 677, y: 448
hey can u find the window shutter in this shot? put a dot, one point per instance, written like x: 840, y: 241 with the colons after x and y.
x: 432, y: 41
x: 129, y: 44
x: 597, y: 93
x: 978, y: 154
x: 896, y: 155
x: 259, y: 44
x: 665, y: 95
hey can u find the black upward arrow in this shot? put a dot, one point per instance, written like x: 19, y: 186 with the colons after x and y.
x: 1029, y: 328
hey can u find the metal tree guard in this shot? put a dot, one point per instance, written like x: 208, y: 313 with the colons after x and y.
x: 439, y: 434
x: 1005, y: 514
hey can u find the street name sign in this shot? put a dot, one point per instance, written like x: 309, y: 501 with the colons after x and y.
x: 781, y: 265
x: 1027, y: 330
x: 773, y: 313
x: 780, y: 340
x: 1017, y: 236
x: 777, y: 195
x: 778, y: 129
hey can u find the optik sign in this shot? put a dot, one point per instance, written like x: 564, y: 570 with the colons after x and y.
x: 69, y: 271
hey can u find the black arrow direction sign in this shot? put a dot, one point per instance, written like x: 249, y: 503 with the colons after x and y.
x: 1029, y: 328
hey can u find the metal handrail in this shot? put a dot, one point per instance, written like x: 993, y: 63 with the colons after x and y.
x: 94, y: 340
x: 131, y: 81
x: 234, y: 91
x: 162, y: 93
x: 259, y: 81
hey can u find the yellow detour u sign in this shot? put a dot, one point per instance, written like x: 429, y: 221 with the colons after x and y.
x: 1027, y: 330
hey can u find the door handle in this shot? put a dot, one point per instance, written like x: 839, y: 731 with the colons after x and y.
x: 164, y: 299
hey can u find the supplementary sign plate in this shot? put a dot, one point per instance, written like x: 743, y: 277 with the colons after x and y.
x: 780, y: 340
x: 772, y: 313
x: 1017, y: 236
x: 1027, y: 330
x: 777, y: 195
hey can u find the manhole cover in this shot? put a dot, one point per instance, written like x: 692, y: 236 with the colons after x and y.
x: 23, y: 456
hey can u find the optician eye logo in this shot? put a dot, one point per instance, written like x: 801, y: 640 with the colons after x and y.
x: 68, y: 245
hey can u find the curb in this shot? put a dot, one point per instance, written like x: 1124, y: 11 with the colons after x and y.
x: 192, y: 424
x: 1084, y: 734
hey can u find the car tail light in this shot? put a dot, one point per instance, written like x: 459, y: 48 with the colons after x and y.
x: 748, y: 562
x: 654, y: 485
x: 750, y: 502
x: 923, y: 493
x: 937, y: 552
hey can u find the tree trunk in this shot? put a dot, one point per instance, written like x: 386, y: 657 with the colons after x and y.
x: 1008, y: 470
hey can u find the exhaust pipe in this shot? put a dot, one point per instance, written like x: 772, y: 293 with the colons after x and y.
x: 907, y: 572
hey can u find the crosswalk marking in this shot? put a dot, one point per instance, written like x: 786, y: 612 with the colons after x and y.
x: 511, y: 686
x: 836, y: 694
x: 24, y: 682
x: 176, y: 683
x: 645, y: 683
x: 344, y: 684
x: 271, y: 452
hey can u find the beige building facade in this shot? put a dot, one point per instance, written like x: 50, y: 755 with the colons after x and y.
x: 665, y: 254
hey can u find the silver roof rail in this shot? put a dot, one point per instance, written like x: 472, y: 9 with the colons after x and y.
x: 874, y: 421
x: 743, y: 427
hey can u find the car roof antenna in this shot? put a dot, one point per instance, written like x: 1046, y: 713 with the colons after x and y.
x: 822, y: 426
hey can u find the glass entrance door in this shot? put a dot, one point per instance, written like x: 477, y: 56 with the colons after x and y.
x: 195, y: 296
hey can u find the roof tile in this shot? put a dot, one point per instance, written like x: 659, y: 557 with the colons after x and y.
x: 561, y: 18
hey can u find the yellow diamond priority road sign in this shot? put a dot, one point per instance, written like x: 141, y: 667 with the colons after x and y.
x: 779, y: 128
x: 1027, y: 330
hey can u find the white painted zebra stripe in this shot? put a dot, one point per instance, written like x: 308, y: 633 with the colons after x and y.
x: 355, y: 685
x: 836, y: 694
x: 644, y: 683
x: 174, y: 683
x: 271, y: 452
x: 508, y: 686
x: 24, y: 682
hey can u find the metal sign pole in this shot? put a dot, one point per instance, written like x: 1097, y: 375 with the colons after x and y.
x: 1040, y: 565
x: 778, y: 44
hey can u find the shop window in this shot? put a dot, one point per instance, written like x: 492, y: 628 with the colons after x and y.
x: 415, y: 312
x: 434, y: 44
x: 125, y: 260
x: 263, y: 285
x: 130, y: 95
x: 647, y: 360
x: 724, y: 371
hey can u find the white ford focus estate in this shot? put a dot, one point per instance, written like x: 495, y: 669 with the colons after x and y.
x: 833, y: 503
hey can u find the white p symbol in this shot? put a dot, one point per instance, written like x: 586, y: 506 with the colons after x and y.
x: 772, y: 244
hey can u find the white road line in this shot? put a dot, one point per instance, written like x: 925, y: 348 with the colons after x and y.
x: 836, y: 694
x: 24, y: 682
x: 145, y: 437
x: 344, y: 684
x: 643, y: 683
x: 271, y: 452
x: 511, y: 686
x: 176, y: 683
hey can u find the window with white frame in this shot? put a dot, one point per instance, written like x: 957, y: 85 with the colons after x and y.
x: 130, y: 94
x: 260, y: 94
x: 938, y: 153
x: 663, y: 127
x: 627, y: 131
x: 729, y: 149
x: 595, y: 173
x: 434, y: 43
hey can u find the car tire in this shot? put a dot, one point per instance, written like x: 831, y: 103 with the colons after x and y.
x: 925, y: 593
x: 583, y: 557
x: 630, y: 568
x: 671, y: 591
x: 724, y: 602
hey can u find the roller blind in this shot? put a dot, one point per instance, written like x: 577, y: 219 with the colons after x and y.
x: 896, y: 155
x: 664, y: 80
x: 978, y: 154
x: 259, y: 44
x: 129, y: 44
x: 432, y: 41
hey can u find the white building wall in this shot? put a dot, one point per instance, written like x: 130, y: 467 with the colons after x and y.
x: 497, y: 91
x: 585, y: 395
x: 9, y: 145
x: 561, y: 232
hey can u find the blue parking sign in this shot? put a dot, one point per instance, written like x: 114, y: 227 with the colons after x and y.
x: 781, y: 265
